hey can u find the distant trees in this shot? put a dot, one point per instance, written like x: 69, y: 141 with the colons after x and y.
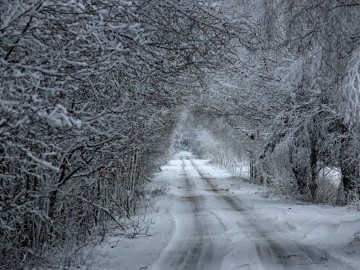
x: 89, y: 97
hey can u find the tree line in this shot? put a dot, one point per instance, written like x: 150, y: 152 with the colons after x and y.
x: 290, y: 105
x: 90, y: 94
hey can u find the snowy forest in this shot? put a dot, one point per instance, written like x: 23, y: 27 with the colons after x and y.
x: 95, y: 95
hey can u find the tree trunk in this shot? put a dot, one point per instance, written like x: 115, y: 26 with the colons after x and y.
x: 349, y: 168
x: 313, y: 166
x: 300, y: 173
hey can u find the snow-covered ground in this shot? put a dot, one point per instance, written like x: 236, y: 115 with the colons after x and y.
x: 211, y: 220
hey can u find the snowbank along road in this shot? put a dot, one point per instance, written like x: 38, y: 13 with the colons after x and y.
x: 218, y: 230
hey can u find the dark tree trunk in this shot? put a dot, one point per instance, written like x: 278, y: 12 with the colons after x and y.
x: 300, y: 174
x: 300, y: 177
x: 313, y: 166
x: 349, y: 168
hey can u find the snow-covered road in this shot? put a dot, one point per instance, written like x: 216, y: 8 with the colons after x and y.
x: 209, y: 219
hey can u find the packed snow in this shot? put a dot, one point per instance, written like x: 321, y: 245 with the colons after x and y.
x: 209, y: 219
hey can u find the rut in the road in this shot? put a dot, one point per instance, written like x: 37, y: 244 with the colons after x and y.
x: 195, y: 247
x: 215, y: 228
x: 268, y: 249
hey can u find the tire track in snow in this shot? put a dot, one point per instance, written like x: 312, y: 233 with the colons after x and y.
x: 207, y: 218
x: 193, y: 250
x: 283, y: 254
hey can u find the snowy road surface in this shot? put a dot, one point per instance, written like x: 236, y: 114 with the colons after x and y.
x: 208, y: 219
x: 211, y: 220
